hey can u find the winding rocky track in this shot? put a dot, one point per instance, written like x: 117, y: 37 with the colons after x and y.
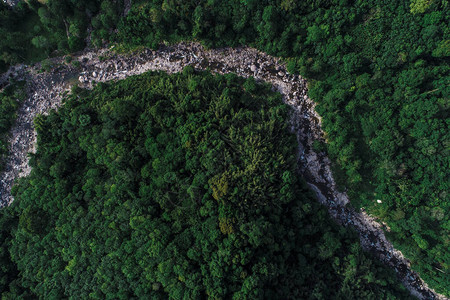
x: 46, y: 91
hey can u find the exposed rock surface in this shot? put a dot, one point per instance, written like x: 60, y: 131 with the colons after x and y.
x: 11, y: 2
x: 45, y: 92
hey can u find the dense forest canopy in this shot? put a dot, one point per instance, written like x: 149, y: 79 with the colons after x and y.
x: 379, y: 71
x: 178, y: 186
x: 33, y: 30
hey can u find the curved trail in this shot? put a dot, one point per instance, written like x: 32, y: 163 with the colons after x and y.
x: 45, y: 91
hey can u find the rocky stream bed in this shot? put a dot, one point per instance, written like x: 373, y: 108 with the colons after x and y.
x: 46, y: 91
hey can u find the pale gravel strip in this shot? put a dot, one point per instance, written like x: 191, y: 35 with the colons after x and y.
x: 45, y: 92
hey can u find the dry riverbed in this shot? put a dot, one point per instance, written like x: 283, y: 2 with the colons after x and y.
x: 46, y: 91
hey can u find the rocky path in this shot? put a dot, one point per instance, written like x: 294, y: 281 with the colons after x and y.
x: 46, y: 91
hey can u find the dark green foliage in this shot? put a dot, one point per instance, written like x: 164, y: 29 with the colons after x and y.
x: 180, y: 187
x: 17, y: 28
x: 380, y: 73
x: 32, y: 31
x: 10, y: 282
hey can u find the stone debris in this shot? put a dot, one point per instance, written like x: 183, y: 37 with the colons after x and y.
x: 11, y: 2
x: 46, y: 92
